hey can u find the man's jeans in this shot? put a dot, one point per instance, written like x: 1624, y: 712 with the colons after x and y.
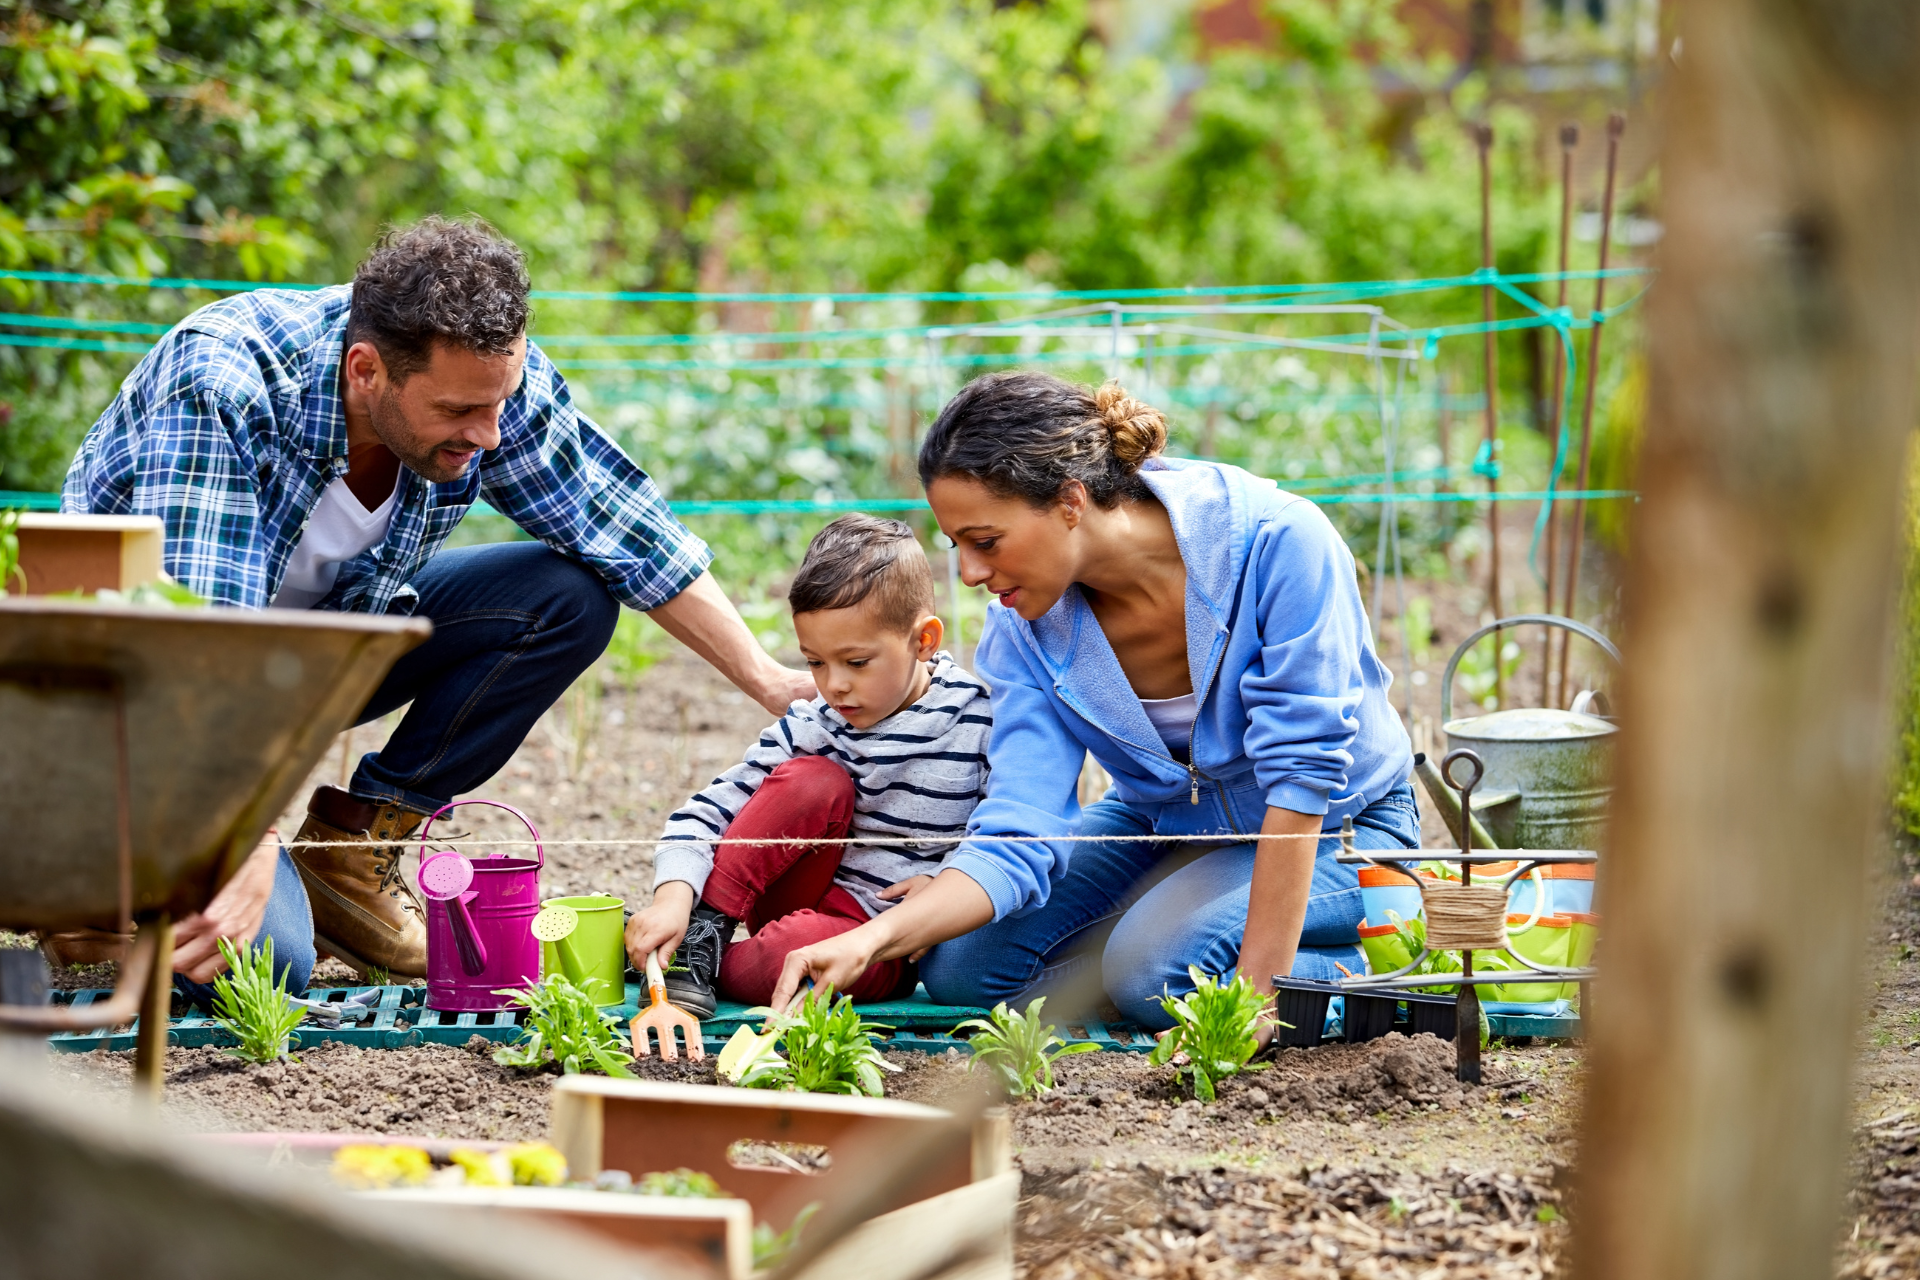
x: 514, y: 624
x: 1158, y: 913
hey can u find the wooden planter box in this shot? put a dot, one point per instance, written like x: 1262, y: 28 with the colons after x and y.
x: 957, y: 1209
x: 684, y: 1237
x: 86, y: 553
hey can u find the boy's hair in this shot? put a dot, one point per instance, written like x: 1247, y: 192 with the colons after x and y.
x: 860, y: 556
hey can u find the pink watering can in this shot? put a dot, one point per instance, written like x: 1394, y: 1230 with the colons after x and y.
x: 478, y: 916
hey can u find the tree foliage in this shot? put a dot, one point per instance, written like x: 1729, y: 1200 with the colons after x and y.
x: 727, y: 144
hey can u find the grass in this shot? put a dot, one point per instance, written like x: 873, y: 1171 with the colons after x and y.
x: 1215, y: 1028
x: 1018, y: 1048
x: 252, y: 1006
x: 564, y: 1025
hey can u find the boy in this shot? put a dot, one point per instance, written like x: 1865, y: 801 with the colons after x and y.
x: 894, y: 746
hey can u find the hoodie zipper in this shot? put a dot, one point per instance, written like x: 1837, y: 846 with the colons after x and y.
x: 1193, y: 730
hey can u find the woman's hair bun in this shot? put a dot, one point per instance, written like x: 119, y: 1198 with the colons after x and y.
x: 1138, y: 430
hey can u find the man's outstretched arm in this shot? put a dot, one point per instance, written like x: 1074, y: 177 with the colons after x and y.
x: 704, y: 620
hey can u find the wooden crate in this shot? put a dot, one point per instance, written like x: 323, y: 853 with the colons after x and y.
x: 965, y: 1234
x: 683, y: 1236
x: 88, y: 553
x: 643, y: 1128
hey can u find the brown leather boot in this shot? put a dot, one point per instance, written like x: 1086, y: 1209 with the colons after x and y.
x: 363, y: 909
x: 66, y: 948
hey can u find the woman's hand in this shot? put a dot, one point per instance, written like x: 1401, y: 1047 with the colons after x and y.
x: 836, y: 962
x: 901, y: 890
x: 234, y: 914
x: 948, y: 905
x: 1277, y: 903
x: 660, y: 926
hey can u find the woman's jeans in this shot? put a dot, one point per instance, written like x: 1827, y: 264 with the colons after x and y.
x: 1165, y: 912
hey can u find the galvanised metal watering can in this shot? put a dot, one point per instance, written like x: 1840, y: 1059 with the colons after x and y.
x: 1556, y: 765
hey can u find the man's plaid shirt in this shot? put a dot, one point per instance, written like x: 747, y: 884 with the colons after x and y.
x: 230, y: 428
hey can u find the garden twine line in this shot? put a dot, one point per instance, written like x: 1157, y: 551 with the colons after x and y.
x: 1218, y: 837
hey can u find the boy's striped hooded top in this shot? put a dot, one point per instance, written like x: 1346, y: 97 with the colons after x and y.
x: 917, y: 773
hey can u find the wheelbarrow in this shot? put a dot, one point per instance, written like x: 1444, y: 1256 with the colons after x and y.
x: 146, y: 751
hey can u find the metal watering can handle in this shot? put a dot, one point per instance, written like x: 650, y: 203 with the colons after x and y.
x: 539, y: 853
x: 1518, y: 620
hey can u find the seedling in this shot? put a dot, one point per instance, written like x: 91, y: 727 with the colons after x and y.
x: 252, y: 1007
x: 769, y: 1248
x: 1415, y: 933
x: 688, y: 1184
x: 827, y: 1050
x: 1216, y: 1026
x: 1018, y: 1049
x: 565, y: 1025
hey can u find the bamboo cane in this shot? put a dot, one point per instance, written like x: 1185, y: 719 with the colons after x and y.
x: 1483, y: 139
x: 1616, y: 125
x: 1550, y: 696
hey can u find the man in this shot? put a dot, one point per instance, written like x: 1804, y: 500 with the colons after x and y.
x: 313, y: 450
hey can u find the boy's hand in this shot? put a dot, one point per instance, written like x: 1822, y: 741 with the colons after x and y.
x: 660, y: 926
x: 904, y: 889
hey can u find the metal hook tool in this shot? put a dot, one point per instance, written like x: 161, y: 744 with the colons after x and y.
x: 1466, y: 1035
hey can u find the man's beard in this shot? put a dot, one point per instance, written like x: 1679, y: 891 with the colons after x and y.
x: 390, y: 424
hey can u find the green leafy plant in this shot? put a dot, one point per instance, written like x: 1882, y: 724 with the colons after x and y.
x: 252, y: 1007
x: 1476, y: 673
x: 1018, y: 1048
x: 827, y: 1050
x: 1216, y: 1026
x: 1415, y: 933
x: 566, y: 1026
x: 686, y: 1184
x: 10, y: 571
x: 769, y: 1247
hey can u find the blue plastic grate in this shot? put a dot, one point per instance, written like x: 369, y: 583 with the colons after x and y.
x: 401, y: 1020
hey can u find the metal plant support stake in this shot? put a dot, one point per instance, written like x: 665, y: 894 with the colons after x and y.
x: 1483, y: 138
x: 1466, y: 1022
x: 1550, y: 695
x: 1616, y: 125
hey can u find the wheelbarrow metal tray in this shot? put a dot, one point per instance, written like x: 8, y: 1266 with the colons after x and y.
x: 226, y: 711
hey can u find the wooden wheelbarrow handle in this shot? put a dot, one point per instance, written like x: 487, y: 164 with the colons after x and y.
x: 122, y: 1006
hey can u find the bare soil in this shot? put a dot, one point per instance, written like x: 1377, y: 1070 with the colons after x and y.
x: 1362, y: 1161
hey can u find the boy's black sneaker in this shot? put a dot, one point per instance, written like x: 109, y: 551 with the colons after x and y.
x: 693, y: 979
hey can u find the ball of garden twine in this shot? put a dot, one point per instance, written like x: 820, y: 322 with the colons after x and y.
x: 1464, y: 917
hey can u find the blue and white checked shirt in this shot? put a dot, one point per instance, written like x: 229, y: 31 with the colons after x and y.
x: 233, y: 425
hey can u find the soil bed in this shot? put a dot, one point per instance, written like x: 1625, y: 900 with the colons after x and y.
x: 1350, y: 1161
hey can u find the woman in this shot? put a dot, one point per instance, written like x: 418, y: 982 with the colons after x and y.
x: 1199, y: 632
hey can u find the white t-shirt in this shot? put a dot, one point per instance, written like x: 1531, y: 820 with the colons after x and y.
x: 338, y: 530
x: 1172, y: 718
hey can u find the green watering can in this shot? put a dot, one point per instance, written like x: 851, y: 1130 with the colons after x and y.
x: 1549, y: 773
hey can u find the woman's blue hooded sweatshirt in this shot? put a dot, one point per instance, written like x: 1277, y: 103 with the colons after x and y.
x: 1293, y: 708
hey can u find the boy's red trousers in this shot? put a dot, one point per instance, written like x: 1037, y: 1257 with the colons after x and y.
x: 785, y: 892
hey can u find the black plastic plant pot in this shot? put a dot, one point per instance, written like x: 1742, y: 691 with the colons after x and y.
x: 1432, y: 1015
x: 1302, y: 1008
x: 1368, y: 1017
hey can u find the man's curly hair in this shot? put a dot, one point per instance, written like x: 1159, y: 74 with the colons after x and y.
x: 451, y: 280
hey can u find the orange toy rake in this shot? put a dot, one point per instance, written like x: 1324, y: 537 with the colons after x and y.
x: 662, y: 1018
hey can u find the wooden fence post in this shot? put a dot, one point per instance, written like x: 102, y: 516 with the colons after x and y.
x: 1783, y: 340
